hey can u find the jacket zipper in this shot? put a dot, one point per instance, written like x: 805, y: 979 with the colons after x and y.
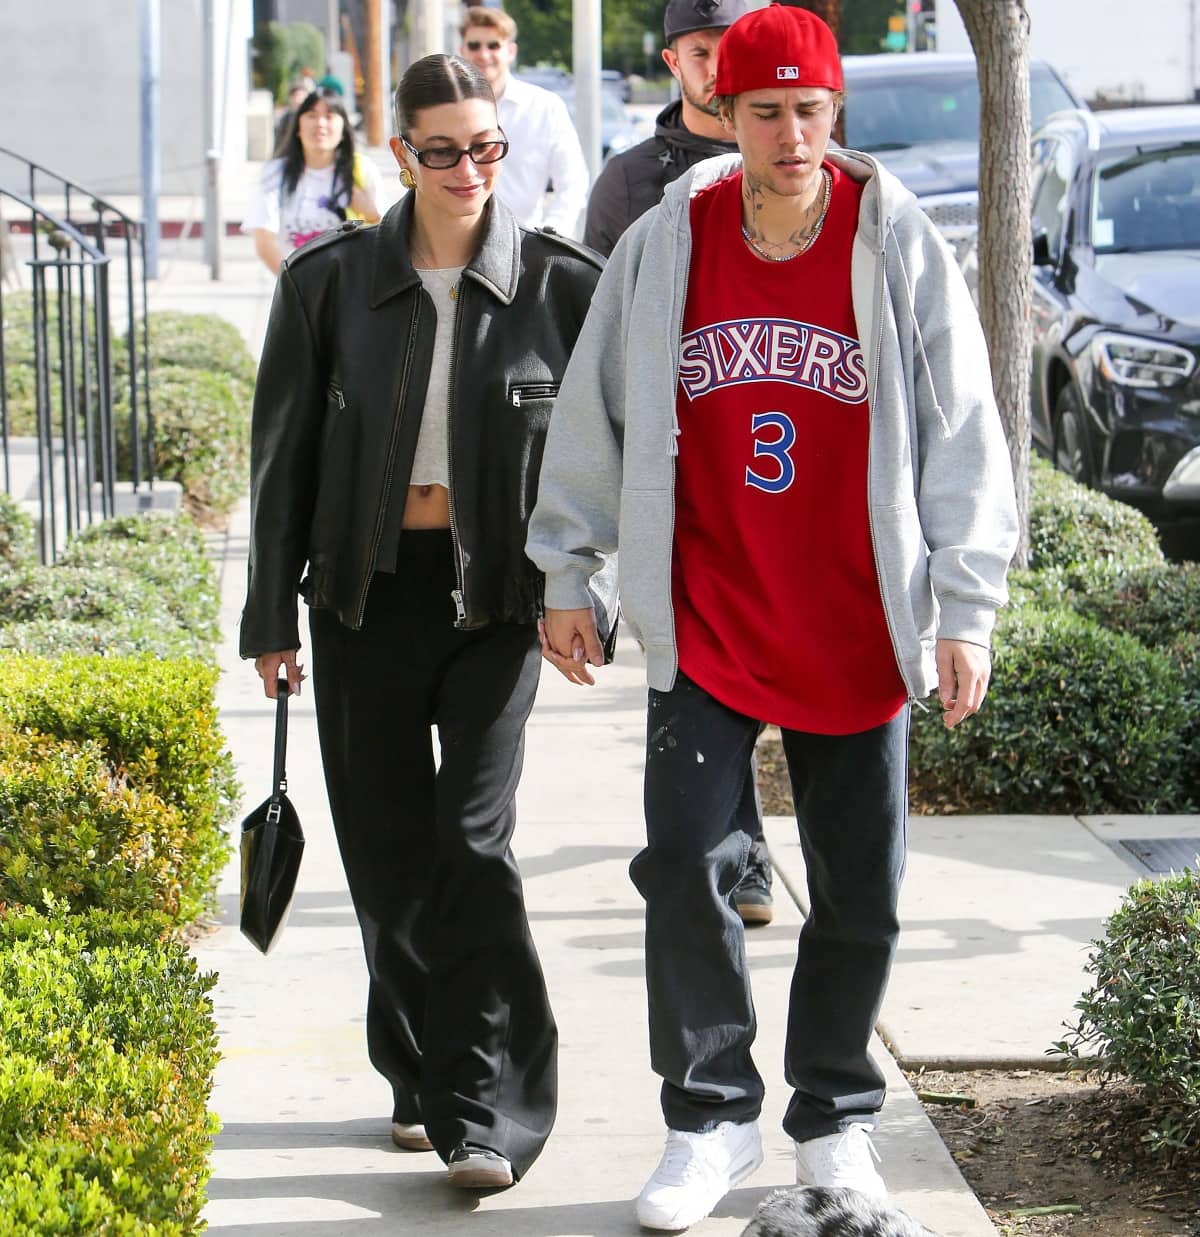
x: 335, y: 392
x: 887, y: 614
x: 532, y: 390
x: 457, y: 595
x: 391, y: 465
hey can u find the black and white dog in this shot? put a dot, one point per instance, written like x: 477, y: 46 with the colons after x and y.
x: 820, y: 1212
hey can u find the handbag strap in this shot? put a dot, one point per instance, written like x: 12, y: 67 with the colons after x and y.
x: 281, y: 705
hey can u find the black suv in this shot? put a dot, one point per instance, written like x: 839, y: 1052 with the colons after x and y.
x: 1116, y: 302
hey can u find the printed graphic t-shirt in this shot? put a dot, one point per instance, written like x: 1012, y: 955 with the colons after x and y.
x: 778, y: 611
x: 312, y: 209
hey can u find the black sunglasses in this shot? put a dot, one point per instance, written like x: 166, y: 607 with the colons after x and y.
x: 473, y: 45
x: 443, y: 157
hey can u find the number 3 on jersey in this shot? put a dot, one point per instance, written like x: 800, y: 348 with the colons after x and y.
x: 776, y: 449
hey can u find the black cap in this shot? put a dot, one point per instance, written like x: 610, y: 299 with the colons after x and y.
x: 684, y: 16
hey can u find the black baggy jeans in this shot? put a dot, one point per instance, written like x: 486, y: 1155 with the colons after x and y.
x: 851, y: 795
x: 458, y: 1018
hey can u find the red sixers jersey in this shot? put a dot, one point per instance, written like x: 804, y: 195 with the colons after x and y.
x: 778, y: 612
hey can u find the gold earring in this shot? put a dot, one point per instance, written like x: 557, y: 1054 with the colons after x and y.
x: 406, y: 179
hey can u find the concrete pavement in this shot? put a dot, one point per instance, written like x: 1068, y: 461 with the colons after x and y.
x: 998, y: 913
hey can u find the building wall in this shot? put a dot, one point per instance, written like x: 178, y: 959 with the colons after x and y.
x: 1103, y: 52
x: 76, y: 72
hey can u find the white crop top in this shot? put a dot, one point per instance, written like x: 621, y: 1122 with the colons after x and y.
x: 431, y: 461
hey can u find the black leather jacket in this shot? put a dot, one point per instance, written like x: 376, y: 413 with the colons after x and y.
x: 338, y: 403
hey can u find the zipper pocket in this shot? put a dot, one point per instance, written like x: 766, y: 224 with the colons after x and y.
x: 531, y: 390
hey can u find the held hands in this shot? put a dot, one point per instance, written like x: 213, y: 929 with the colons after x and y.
x: 267, y: 665
x: 570, y: 643
x: 963, y: 673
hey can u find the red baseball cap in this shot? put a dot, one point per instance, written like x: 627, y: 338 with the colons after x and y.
x: 777, y: 46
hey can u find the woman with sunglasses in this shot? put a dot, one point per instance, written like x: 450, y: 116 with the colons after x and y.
x: 316, y: 181
x: 406, y: 385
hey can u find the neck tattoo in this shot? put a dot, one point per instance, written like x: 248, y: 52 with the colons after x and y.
x: 804, y: 237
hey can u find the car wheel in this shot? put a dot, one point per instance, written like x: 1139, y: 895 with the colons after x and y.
x: 1070, y: 437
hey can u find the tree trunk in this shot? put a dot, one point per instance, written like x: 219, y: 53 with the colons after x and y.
x: 999, y: 33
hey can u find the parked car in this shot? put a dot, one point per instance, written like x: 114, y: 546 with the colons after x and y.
x: 919, y: 115
x: 1116, y: 303
x: 617, y: 131
x: 615, y: 81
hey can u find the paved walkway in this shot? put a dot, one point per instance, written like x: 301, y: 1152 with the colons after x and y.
x: 998, y: 913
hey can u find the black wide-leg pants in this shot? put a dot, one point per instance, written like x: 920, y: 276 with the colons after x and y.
x: 458, y: 1019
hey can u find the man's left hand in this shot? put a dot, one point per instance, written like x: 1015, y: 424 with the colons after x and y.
x: 963, y: 673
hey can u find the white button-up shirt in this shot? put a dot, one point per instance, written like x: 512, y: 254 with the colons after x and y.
x: 543, y: 148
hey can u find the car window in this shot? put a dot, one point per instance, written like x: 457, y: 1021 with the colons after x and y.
x: 1147, y: 200
x: 892, y: 113
x: 1051, y: 178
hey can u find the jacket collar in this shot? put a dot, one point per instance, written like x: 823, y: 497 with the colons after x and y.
x: 496, y: 264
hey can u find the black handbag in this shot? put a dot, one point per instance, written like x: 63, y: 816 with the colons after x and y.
x: 272, y: 844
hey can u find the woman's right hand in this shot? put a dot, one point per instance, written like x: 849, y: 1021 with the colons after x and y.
x: 267, y: 665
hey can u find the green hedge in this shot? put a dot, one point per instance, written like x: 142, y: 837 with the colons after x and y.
x: 1078, y: 719
x: 201, y: 436
x: 109, y: 1052
x: 74, y: 827
x: 18, y: 535
x: 1094, y: 704
x: 191, y: 341
x: 135, y: 584
x: 156, y: 726
x: 1071, y: 523
x: 1142, y: 1013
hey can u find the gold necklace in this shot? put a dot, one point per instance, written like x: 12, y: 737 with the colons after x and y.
x: 423, y: 257
x: 810, y: 236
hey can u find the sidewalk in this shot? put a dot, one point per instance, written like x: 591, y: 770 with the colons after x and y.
x: 997, y: 911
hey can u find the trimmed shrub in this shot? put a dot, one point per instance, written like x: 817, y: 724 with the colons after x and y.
x: 1142, y: 1013
x: 191, y: 341
x: 201, y: 436
x: 110, y: 1048
x: 135, y: 584
x: 18, y: 534
x: 169, y: 556
x: 1078, y: 719
x: 71, y: 826
x: 1070, y: 523
x: 156, y: 724
x: 52, y: 637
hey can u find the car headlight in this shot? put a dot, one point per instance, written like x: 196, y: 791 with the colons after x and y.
x: 1132, y: 361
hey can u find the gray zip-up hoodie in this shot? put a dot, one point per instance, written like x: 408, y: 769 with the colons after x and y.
x: 942, y: 508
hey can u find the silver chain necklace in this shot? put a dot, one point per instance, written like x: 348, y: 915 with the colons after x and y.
x: 827, y: 186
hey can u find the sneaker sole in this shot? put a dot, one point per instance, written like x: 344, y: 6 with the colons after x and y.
x: 737, y: 1175
x: 412, y: 1142
x: 755, y: 912
x: 479, y: 1178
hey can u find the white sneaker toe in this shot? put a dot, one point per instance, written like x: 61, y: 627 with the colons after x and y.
x: 697, y: 1171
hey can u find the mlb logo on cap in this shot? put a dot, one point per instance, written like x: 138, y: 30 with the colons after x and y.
x: 787, y: 73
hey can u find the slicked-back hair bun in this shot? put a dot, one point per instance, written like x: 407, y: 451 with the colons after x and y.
x: 434, y: 80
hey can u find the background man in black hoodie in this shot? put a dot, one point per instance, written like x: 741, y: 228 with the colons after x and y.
x: 688, y: 130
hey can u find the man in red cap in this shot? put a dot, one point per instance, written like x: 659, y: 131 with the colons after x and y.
x: 779, y: 409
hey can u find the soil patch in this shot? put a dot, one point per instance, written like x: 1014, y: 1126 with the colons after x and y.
x: 1039, y: 1140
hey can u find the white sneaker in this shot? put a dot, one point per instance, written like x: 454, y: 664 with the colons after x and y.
x: 843, y: 1159
x: 409, y: 1136
x: 696, y: 1172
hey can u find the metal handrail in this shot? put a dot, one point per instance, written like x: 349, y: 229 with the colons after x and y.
x: 133, y: 229
x: 81, y: 428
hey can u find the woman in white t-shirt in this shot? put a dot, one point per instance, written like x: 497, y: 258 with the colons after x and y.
x: 316, y: 182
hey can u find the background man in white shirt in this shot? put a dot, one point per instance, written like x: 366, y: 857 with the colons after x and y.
x: 543, y: 148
